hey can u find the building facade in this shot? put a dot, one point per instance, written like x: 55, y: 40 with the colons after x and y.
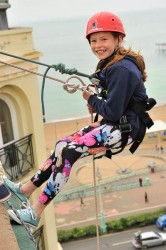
x: 22, y: 141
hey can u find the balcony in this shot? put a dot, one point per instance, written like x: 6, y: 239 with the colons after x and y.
x: 17, y: 158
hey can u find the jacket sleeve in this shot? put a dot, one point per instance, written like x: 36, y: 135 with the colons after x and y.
x: 121, y: 84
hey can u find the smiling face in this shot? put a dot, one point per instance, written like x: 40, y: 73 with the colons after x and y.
x: 103, y: 44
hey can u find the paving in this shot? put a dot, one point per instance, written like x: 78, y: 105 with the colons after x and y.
x: 114, y: 204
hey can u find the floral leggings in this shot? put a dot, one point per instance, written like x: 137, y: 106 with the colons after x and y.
x: 56, y: 169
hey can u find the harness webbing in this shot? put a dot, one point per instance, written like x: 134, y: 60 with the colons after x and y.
x: 140, y: 109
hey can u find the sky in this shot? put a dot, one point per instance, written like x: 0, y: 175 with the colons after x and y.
x: 37, y: 10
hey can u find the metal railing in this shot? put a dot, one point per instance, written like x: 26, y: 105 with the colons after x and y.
x: 17, y: 158
x: 39, y: 237
x: 115, y: 183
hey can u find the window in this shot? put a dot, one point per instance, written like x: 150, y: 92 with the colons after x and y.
x: 6, y: 128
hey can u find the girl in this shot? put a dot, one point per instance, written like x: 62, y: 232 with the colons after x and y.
x: 121, y: 75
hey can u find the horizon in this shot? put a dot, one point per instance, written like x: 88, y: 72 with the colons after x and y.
x: 64, y: 10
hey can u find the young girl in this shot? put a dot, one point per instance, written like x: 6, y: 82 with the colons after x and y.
x: 121, y: 75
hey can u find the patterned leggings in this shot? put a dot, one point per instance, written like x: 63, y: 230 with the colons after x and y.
x: 56, y: 169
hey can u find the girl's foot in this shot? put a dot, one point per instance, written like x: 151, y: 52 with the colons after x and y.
x: 15, y: 189
x: 26, y: 216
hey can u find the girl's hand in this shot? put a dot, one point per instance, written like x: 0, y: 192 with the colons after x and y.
x: 90, y: 109
x: 86, y: 94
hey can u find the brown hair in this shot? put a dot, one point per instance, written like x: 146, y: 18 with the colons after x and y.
x: 120, y: 54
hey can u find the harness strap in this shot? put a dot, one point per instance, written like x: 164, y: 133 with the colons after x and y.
x: 125, y: 127
x: 140, y: 109
x: 96, y: 117
x: 139, y: 138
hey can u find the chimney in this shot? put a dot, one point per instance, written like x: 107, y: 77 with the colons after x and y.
x: 4, y: 5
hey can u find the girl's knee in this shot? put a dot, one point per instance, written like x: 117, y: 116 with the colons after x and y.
x: 59, y: 146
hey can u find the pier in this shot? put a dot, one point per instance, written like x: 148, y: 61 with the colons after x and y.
x: 161, y: 47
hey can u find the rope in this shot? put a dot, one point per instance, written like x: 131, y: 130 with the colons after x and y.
x: 75, y: 87
x: 66, y: 87
x: 70, y: 88
x: 96, y: 201
x: 59, y: 67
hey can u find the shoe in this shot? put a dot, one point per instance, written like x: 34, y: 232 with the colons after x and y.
x: 4, y: 193
x: 15, y: 189
x: 26, y: 216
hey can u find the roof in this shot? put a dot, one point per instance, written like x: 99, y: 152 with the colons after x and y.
x: 145, y: 235
x: 159, y: 125
x: 163, y: 217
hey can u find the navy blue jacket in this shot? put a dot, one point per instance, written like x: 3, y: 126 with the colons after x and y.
x: 124, y: 81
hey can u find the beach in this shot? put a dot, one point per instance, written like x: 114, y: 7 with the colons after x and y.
x: 157, y: 113
x: 55, y: 130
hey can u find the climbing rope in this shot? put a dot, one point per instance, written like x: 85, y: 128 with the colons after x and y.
x: 73, y: 87
x: 96, y: 204
x: 70, y: 88
x: 96, y: 200
x: 59, y: 67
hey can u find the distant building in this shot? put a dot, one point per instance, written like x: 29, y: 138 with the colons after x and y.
x: 4, y: 5
x: 161, y: 47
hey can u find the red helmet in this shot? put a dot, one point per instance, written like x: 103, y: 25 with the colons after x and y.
x: 104, y: 21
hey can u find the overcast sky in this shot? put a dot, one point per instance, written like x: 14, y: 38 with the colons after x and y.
x: 31, y: 10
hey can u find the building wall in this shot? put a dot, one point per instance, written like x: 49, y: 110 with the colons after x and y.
x: 20, y: 89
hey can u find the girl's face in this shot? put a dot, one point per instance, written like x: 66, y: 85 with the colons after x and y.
x: 104, y: 43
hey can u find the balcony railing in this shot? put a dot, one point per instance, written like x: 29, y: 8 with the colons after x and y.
x: 39, y: 237
x: 17, y: 158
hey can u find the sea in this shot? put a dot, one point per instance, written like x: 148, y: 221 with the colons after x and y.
x: 63, y: 41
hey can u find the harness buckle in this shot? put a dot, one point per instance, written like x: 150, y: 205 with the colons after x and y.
x: 95, y: 81
x: 124, y: 125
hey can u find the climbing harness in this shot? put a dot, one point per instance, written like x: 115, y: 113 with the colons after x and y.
x: 141, y: 108
x: 138, y: 107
